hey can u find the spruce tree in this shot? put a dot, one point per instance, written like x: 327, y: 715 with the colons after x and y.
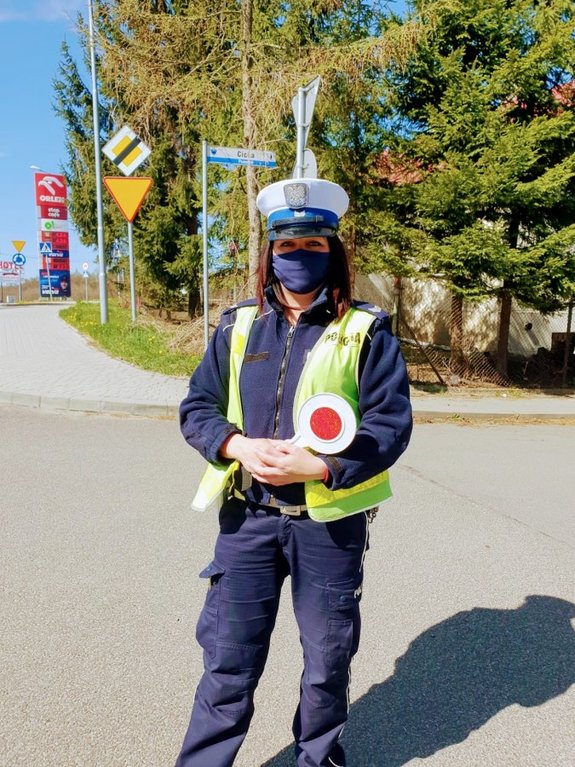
x: 485, y: 119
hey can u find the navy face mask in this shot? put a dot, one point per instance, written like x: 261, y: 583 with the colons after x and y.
x: 301, y: 271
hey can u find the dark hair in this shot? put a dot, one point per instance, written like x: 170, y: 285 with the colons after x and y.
x: 338, y: 283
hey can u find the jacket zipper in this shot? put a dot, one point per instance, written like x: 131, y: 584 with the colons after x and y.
x: 281, y: 380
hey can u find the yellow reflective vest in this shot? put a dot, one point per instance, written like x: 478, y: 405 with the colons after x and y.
x: 332, y: 366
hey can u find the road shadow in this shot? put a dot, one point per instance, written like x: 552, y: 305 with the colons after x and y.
x: 456, y: 676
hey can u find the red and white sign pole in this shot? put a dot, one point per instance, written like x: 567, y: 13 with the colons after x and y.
x: 53, y: 239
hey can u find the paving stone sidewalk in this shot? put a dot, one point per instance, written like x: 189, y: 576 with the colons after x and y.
x: 45, y: 363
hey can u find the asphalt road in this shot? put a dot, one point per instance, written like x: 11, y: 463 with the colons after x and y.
x: 468, y: 651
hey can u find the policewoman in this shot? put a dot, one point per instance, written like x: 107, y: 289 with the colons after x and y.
x: 285, y: 510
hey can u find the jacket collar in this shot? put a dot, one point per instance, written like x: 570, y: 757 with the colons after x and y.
x: 319, y: 305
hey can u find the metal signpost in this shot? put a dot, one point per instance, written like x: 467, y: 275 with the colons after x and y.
x: 45, y: 253
x: 230, y: 158
x: 98, y: 168
x: 86, y: 274
x: 303, y: 105
x: 129, y: 195
x: 19, y: 260
x: 128, y: 152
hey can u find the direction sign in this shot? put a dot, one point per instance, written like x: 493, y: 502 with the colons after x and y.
x: 18, y: 259
x: 228, y: 155
x: 126, y: 150
x: 128, y: 193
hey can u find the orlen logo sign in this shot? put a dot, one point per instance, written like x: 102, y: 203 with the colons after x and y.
x: 50, y: 189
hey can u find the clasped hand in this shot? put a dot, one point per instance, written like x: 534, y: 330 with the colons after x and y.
x: 275, y: 462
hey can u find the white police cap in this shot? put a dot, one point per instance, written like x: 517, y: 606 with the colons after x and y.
x: 300, y: 207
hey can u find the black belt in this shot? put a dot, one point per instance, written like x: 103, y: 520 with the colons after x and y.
x: 290, y: 511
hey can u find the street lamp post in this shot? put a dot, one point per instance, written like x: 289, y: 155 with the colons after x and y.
x: 99, y: 206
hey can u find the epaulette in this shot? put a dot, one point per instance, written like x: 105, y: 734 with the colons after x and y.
x: 377, y: 311
x: 247, y: 302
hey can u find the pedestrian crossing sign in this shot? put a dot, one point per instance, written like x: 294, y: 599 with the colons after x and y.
x: 126, y: 150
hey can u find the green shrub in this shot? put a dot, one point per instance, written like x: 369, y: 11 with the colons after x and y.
x: 145, y: 344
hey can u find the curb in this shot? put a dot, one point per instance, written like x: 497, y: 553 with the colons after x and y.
x: 152, y: 410
x: 98, y: 407
x: 464, y: 418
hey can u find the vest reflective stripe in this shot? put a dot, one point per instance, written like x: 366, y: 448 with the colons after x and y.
x: 217, y: 478
x: 331, y: 366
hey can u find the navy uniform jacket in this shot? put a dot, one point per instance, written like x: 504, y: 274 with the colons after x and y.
x: 269, y: 376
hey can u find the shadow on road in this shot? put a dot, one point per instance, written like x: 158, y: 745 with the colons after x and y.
x: 457, y: 675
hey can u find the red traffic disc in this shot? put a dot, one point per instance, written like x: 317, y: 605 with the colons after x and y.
x: 325, y: 423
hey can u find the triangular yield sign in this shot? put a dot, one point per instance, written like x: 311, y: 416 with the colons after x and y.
x: 18, y: 245
x: 128, y: 193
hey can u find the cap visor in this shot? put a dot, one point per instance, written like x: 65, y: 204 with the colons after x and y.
x: 301, y: 230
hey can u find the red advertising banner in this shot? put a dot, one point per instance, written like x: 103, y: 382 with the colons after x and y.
x: 59, y: 240
x: 50, y: 189
x: 53, y: 211
x: 55, y: 262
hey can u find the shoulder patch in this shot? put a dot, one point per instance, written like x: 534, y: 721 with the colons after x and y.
x: 247, y: 302
x: 377, y: 311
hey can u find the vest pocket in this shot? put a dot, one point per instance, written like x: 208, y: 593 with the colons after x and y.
x: 207, y: 627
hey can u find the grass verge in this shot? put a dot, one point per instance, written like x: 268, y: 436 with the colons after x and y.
x: 145, y: 344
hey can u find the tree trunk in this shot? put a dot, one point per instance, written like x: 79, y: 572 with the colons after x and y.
x: 194, y: 301
x: 456, y: 358
x: 351, y: 250
x: 505, y: 309
x: 254, y: 241
x: 504, y: 324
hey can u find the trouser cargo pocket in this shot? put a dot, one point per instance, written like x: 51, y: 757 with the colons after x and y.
x: 207, y: 628
x: 344, y: 624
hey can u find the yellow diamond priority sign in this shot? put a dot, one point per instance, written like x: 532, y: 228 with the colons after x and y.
x: 126, y: 150
x: 128, y: 193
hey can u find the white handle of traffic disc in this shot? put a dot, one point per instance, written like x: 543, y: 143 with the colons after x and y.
x: 326, y: 423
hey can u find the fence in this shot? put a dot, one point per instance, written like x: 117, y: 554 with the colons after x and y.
x: 422, y: 319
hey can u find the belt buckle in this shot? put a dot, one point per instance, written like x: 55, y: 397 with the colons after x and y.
x: 291, y: 511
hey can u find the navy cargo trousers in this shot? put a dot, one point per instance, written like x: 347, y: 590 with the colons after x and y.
x: 255, y: 550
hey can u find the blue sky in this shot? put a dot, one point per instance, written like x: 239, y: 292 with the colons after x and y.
x: 31, y: 32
